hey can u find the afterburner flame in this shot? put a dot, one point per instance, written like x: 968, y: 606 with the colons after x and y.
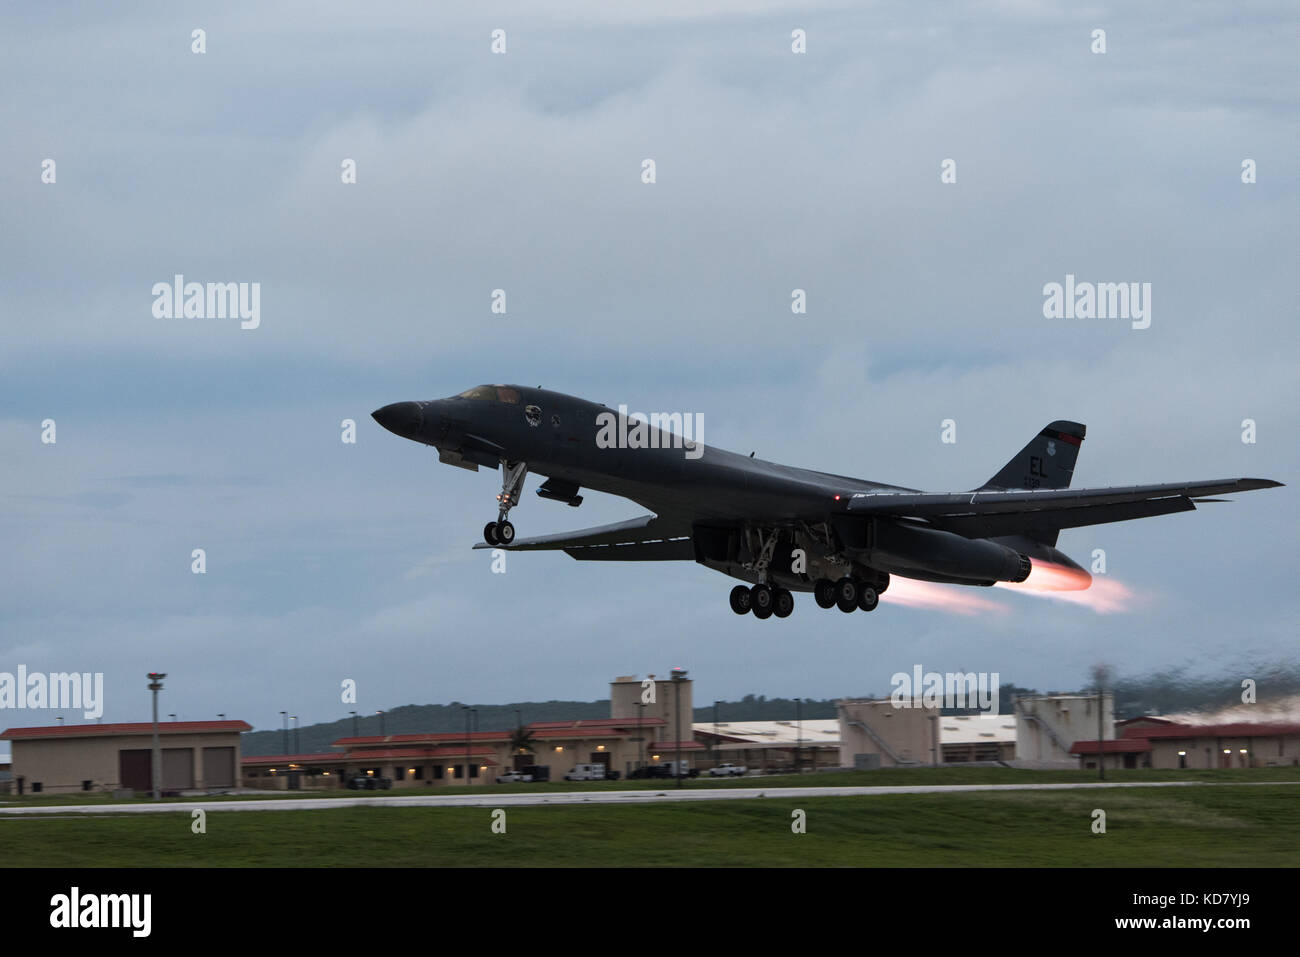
x: 1103, y: 595
x: 959, y: 599
x: 1047, y: 576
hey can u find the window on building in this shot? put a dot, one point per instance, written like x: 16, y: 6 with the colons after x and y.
x: 419, y: 773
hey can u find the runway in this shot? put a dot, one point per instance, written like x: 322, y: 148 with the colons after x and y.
x: 538, y: 799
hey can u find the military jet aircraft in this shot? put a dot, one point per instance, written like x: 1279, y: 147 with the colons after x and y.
x: 780, y: 528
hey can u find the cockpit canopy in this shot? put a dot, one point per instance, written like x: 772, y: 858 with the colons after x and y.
x: 492, y: 393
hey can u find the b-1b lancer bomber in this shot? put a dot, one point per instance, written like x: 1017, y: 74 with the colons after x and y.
x: 779, y: 528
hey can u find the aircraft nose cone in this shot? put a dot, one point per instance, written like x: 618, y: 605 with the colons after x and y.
x: 400, y: 418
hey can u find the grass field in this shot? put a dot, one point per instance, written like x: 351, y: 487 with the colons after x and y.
x: 1256, y: 826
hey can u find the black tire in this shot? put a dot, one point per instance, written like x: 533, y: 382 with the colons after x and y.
x: 784, y: 603
x: 741, y: 600
x: 883, y: 584
x: 846, y: 594
x: 868, y: 599
x: 490, y: 533
x: 761, y: 601
x: 505, y: 533
x: 824, y: 592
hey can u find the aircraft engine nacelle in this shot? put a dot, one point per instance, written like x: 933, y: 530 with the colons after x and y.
x: 904, y: 548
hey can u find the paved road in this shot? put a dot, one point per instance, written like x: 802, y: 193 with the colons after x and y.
x: 525, y: 799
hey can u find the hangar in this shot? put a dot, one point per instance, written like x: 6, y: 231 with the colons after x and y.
x: 196, y: 756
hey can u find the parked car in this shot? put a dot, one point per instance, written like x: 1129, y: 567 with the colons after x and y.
x: 727, y: 769
x: 514, y: 777
x: 368, y: 782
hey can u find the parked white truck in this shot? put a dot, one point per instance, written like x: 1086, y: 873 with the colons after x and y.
x: 727, y: 769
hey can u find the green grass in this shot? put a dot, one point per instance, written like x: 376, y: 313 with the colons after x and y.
x: 1202, y: 827
x: 884, y: 777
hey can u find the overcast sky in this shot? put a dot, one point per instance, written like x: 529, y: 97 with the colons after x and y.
x: 522, y: 171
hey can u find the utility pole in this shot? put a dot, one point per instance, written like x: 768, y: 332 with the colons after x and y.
x: 715, y: 734
x: 1101, y: 675
x: 155, y: 685
x: 679, y: 677
x: 798, y: 734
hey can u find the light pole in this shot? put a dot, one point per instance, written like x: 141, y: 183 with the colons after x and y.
x: 798, y: 734
x: 381, y: 722
x: 679, y: 676
x: 354, y: 723
x: 155, y: 685
x: 297, y: 742
x: 468, y: 711
x: 715, y: 734
x: 640, y: 735
x: 221, y: 716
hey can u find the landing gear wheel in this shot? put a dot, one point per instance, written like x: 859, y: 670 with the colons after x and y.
x: 883, y: 583
x: 505, y: 533
x: 740, y: 600
x: 784, y: 604
x: 824, y: 592
x: 868, y: 599
x: 490, y: 533
x: 846, y: 594
x: 762, y: 600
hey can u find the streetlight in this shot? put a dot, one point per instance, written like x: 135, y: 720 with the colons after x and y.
x: 297, y: 742
x: 354, y: 723
x: 468, y: 711
x: 155, y: 685
x: 679, y: 676
x: 284, y: 719
x: 715, y: 733
x: 172, y: 716
x: 380, y: 712
x: 221, y: 716
x: 640, y: 735
x: 798, y: 734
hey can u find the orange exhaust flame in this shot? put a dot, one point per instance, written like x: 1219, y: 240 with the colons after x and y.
x: 1046, y: 580
x: 957, y: 599
x: 1105, y: 596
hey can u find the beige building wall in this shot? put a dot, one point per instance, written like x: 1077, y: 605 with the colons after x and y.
x: 1048, y: 725
x: 625, y: 702
x: 900, y: 736
x: 63, y: 764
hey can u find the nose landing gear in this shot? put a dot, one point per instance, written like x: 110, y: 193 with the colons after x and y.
x: 501, y: 532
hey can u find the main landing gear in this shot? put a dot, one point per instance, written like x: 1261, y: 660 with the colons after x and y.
x: 501, y: 532
x: 849, y: 594
x: 763, y: 600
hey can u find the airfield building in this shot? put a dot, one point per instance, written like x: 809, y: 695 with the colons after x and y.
x: 196, y: 756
